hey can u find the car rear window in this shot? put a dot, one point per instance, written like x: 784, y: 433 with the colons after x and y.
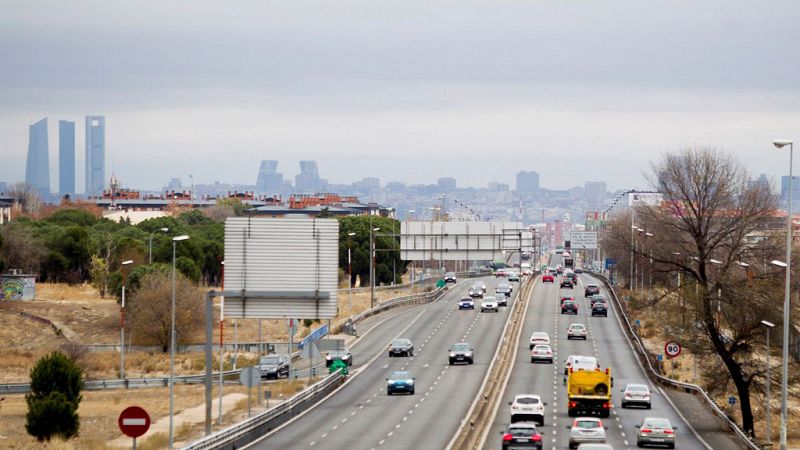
x: 541, y: 348
x: 637, y: 388
x: 657, y: 423
x: 587, y: 424
x: 522, y: 431
x: 528, y: 400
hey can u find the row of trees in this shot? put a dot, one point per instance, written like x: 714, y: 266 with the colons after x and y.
x: 708, y: 243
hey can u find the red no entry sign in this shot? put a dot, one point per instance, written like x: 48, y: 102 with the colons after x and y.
x: 134, y: 421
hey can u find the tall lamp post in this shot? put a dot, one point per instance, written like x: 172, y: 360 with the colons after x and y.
x: 122, y: 322
x: 150, y: 247
x: 780, y: 143
x: 175, y: 241
x: 768, y: 326
x: 349, y: 273
x: 372, y: 266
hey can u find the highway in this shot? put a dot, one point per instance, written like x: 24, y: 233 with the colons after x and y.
x: 608, y: 344
x: 361, y: 415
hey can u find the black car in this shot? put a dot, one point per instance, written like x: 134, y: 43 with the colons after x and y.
x: 344, y: 355
x: 273, y: 366
x: 450, y: 277
x: 569, y: 307
x: 600, y: 309
x: 401, y: 347
x: 461, y: 352
x: 597, y: 298
x: 400, y: 382
x: 522, y: 435
x: 503, y: 288
x: 476, y: 291
x: 591, y: 289
x: 567, y: 283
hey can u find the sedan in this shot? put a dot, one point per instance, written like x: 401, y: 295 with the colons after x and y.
x: 590, y: 290
x: 450, y: 277
x: 527, y: 407
x: 569, y: 307
x: 466, y: 303
x: 522, y: 435
x: 539, y: 337
x: 563, y: 299
x: 513, y: 276
x: 636, y: 394
x: 273, y: 366
x: 475, y: 291
x: 542, y: 352
x: 489, y: 304
x: 597, y: 298
x: 576, y: 331
x: 480, y: 284
x: 504, y: 289
x: 344, y: 355
x: 578, y: 270
x: 655, y: 431
x: 586, y: 429
x: 599, y: 309
x: 400, y: 382
x: 567, y: 283
x: 401, y: 347
x: 548, y: 278
x: 461, y: 352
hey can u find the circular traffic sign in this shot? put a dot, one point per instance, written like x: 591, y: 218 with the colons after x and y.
x: 134, y: 421
x: 672, y: 349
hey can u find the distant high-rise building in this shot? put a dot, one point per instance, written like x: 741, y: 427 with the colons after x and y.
x: 66, y: 157
x: 37, y: 169
x: 174, y: 183
x: 95, y: 154
x: 269, y: 180
x: 527, y: 181
x: 595, y: 191
x: 308, y: 178
x: 494, y: 186
x: 3, y: 187
x: 367, y: 185
x: 446, y: 184
x: 795, y: 186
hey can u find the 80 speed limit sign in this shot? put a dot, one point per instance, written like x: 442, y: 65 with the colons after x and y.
x: 672, y: 349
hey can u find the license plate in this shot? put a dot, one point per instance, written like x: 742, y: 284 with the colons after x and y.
x: 520, y: 440
x: 656, y: 440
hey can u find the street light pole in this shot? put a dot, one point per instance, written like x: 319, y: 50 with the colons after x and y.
x: 768, y: 325
x: 349, y: 273
x: 175, y: 241
x: 122, y: 323
x: 780, y: 143
x: 150, y: 247
x: 372, y: 266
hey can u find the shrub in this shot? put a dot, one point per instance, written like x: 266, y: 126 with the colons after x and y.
x: 56, y: 384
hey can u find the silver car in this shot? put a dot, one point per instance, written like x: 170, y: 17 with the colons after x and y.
x: 586, y: 430
x: 655, y: 431
x: 636, y: 394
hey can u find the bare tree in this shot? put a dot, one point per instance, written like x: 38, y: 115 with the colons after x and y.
x: 702, y: 231
x: 21, y: 249
x: 150, y: 306
x: 26, y: 196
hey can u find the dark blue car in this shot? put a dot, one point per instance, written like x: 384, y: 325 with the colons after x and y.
x: 400, y: 382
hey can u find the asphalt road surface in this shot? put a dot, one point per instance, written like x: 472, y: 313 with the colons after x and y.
x: 362, y: 416
x: 608, y: 344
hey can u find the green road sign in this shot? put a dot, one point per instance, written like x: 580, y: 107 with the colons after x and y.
x: 441, y: 284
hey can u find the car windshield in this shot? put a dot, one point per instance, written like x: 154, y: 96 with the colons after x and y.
x: 269, y: 360
x: 656, y: 423
x: 466, y: 299
x: 488, y: 299
x: 337, y: 353
x: 528, y: 400
x: 587, y: 424
x: 637, y: 388
x: 401, y: 342
x: 400, y: 376
x: 461, y: 347
x: 450, y: 274
x: 503, y: 286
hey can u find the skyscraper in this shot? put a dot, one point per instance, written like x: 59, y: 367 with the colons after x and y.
x: 595, y: 191
x: 66, y: 157
x: 95, y: 154
x: 37, y: 169
x: 269, y: 180
x: 308, y: 178
x: 527, y: 181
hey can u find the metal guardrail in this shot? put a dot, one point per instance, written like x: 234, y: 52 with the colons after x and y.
x: 424, y: 282
x: 254, y: 427
x: 646, y: 358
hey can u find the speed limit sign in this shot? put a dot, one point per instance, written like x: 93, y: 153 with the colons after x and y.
x: 672, y: 349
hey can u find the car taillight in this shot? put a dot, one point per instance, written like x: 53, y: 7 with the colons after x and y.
x: 646, y: 430
x: 668, y: 431
x: 606, y: 405
x: 507, y: 437
x: 536, y: 437
x: 572, y: 404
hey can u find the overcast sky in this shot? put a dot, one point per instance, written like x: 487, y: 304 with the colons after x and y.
x: 405, y: 91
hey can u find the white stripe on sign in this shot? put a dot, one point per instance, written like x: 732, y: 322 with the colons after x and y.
x: 134, y: 422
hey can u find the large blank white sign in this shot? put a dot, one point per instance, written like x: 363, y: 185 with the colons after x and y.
x: 451, y: 241
x: 281, y: 268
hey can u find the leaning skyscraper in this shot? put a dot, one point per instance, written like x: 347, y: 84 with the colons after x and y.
x: 95, y: 154
x: 269, y: 179
x: 37, y: 169
x: 66, y: 157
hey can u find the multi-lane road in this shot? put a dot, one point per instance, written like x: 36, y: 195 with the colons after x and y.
x: 362, y: 416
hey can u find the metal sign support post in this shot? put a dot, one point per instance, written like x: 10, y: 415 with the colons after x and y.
x: 260, y: 353
x: 209, y: 361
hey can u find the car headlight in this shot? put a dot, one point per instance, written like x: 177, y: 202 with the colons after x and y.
x: 390, y: 382
x: 328, y: 358
x: 452, y: 355
x: 409, y: 381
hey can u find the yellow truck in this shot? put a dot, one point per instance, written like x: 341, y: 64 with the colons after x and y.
x: 589, y: 392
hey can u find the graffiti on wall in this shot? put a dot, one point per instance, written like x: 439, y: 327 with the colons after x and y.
x: 15, y: 287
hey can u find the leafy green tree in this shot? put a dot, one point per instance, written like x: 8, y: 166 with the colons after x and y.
x: 67, y: 217
x: 386, y: 262
x: 56, y: 385
x: 188, y: 268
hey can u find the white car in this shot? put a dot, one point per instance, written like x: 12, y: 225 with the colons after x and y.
x: 636, y: 394
x: 539, y: 337
x: 527, y: 408
x: 489, y: 304
x: 576, y: 331
x: 579, y: 362
x: 586, y: 430
x: 542, y: 352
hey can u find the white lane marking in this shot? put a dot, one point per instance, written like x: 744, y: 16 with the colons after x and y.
x: 312, y: 443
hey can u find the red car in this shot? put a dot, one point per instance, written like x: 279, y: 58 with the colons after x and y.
x: 548, y: 277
